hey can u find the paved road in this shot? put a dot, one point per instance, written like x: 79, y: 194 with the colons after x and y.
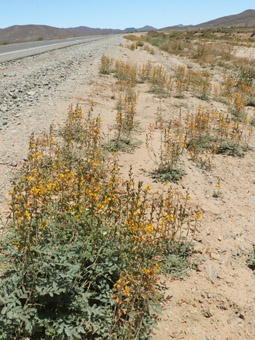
x: 21, y: 50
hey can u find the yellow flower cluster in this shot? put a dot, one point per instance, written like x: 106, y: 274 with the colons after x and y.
x: 71, y: 179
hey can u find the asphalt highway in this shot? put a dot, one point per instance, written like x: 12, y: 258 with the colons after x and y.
x: 21, y: 50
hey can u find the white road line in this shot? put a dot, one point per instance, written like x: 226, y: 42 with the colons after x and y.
x: 34, y: 48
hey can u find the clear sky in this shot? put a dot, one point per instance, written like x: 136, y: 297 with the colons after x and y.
x: 116, y: 13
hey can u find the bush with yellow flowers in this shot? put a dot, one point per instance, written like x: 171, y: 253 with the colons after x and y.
x: 215, y: 131
x: 123, y: 140
x: 167, y: 156
x: 84, y: 247
x: 129, y: 74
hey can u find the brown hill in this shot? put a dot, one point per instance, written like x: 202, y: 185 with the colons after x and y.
x: 244, y: 19
x: 42, y: 32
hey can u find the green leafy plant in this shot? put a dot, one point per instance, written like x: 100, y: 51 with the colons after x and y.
x: 176, y: 262
x: 167, y: 174
x: 83, y: 246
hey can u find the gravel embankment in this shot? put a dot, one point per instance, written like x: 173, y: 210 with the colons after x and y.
x: 29, y: 91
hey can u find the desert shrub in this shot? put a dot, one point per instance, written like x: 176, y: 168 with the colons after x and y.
x: 106, y: 65
x: 200, y: 81
x: 247, y: 72
x: 83, y: 246
x: 129, y: 74
x: 191, y: 44
x: 149, y: 49
x: 126, y: 72
x: 217, y: 132
x: 171, y: 43
x: 182, y: 80
x: 167, y: 158
x: 132, y: 37
x: 140, y: 43
x: 125, y: 123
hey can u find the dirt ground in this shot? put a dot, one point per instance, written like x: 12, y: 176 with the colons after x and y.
x: 216, y: 301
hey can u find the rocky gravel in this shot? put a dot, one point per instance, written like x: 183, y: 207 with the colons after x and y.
x: 29, y: 90
x: 24, y: 81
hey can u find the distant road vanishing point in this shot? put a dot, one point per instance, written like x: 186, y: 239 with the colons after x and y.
x: 21, y: 50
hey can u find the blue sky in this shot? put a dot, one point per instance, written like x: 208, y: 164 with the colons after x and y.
x: 116, y: 13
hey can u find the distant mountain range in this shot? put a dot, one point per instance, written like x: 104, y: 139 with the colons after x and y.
x: 142, y: 29
x: 25, y: 33
x: 244, y: 19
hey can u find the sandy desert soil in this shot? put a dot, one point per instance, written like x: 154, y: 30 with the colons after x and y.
x: 216, y: 300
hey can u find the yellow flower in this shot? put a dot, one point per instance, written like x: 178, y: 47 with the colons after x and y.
x: 127, y: 290
x: 36, y: 155
x: 198, y: 215
x: 27, y: 215
x: 170, y: 217
x: 77, y: 218
x: 17, y: 245
x: 146, y: 271
x: 42, y: 224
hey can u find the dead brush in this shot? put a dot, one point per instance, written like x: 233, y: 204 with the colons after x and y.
x: 132, y: 46
x: 149, y: 49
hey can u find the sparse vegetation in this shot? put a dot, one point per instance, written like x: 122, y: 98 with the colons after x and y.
x: 214, y: 131
x: 126, y: 111
x: 85, y: 243
x: 106, y: 65
x: 132, y: 37
x: 84, y: 248
x: 167, y: 158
